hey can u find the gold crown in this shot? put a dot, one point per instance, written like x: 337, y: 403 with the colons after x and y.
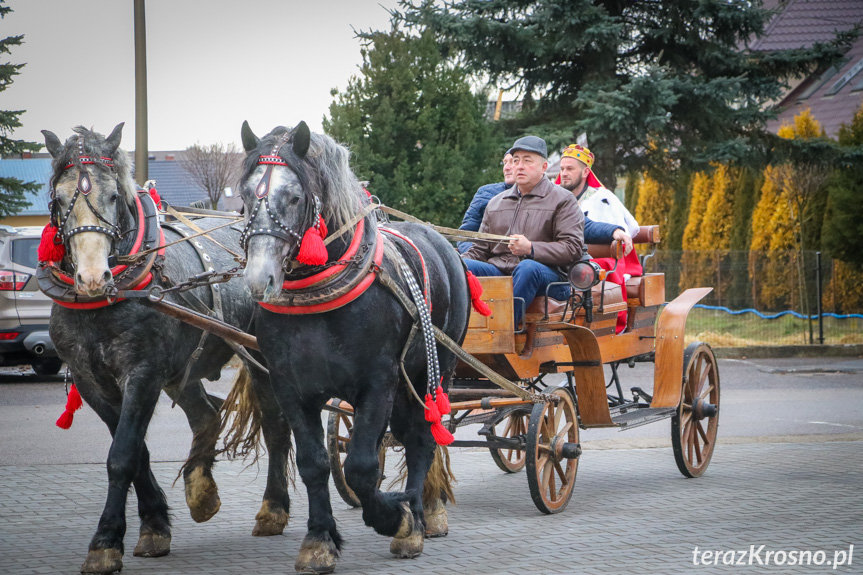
x: 580, y: 153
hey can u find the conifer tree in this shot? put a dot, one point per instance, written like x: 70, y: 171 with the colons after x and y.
x: 12, y: 190
x: 628, y: 73
x: 416, y: 131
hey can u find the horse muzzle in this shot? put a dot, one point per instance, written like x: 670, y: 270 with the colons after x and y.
x: 93, y: 284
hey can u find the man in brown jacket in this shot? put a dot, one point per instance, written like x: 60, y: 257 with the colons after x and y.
x: 544, y: 221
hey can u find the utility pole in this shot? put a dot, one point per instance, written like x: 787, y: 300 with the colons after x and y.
x: 141, y: 150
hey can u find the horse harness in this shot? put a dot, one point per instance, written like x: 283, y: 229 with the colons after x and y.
x: 59, y: 286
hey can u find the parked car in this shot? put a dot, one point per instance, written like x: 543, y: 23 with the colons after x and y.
x: 24, y: 310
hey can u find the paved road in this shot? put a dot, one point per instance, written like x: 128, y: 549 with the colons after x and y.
x: 787, y: 475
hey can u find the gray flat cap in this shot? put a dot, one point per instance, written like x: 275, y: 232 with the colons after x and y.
x: 530, y: 144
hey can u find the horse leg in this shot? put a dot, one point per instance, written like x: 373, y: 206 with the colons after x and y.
x: 322, y: 544
x: 410, y: 428
x: 202, y: 493
x: 275, y: 509
x: 128, y: 462
x: 390, y: 514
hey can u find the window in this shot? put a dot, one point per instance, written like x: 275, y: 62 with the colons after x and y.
x: 846, y: 77
x: 24, y: 252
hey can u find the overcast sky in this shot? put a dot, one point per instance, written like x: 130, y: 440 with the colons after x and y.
x: 211, y: 64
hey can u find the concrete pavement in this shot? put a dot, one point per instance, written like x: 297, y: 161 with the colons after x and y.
x: 632, y: 512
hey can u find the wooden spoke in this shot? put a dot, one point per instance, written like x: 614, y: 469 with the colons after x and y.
x: 551, y: 480
x: 339, y: 431
x: 511, y: 460
x: 692, y: 439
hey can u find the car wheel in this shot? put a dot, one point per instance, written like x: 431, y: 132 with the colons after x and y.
x: 47, y: 366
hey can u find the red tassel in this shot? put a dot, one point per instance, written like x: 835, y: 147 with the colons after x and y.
x: 432, y: 412
x: 48, y: 250
x: 313, y: 252
x: 441, y: 434
x: 475, y: 292
x: 156, y: 198
x: 73, y: 404
x: 443, y: 406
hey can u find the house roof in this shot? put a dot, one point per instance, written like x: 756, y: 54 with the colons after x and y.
x: 172, y: 182
x: 803, y: 23
x: 834, y: 96
x: 32, y: 170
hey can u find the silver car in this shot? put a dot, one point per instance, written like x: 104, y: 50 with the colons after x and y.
x: 24, y: 310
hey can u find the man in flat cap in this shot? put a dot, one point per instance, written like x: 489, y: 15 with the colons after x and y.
x: 545, y: 222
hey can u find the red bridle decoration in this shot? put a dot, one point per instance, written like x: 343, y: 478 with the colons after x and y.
x: 475, y: 292
x: 73, y: 404
x: 313, y: 252
x: 49, y: 250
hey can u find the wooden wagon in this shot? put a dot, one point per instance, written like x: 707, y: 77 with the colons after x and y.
x: 538, y: 427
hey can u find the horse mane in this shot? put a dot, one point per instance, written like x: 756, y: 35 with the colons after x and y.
x: 94, y: 145
x: 325, y: 171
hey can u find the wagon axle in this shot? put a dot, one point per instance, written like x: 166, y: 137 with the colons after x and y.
x: 701, y: 409
x: 561, y: 449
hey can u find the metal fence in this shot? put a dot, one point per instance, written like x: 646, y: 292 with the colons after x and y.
x: 766, y: 298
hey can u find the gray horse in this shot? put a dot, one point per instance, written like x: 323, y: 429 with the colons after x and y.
x: 123, y: 355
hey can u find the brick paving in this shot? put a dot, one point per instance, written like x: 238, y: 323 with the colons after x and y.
x: 632, y: 512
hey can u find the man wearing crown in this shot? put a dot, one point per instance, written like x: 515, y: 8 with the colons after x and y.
x: 602, y: 205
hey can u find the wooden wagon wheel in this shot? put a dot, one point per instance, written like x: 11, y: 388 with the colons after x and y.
x: 694, y: 426
x: 339, y: 429
x: 511, y: 460
x: 552, y: 433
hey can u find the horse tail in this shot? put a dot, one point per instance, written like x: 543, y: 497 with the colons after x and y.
x: 440, y: 479
x: 241, y: 418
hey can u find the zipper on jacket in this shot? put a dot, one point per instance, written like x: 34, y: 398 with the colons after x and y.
x: 515, y: 214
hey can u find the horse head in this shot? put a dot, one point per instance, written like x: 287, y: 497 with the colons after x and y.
x: 92, y: 196
x: 293, y: 181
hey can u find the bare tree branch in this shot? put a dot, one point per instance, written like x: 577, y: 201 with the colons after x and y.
x: 214, y: 167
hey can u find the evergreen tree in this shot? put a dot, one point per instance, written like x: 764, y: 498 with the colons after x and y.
x: 630, y: 73
x: 842, y: 232
x: 417, y: 133
x: 12, y: 190
x: 699, y: 196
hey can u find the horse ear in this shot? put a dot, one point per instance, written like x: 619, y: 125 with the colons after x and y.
x: 301, y: 140
x: 250, y: 140
x: 112, y: 142
x: 53, y: 143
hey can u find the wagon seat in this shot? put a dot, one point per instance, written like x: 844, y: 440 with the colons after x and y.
x: 606, y: 294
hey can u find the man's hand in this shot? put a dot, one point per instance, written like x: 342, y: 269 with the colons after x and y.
x: 624, y: 237
x: 519, y: 245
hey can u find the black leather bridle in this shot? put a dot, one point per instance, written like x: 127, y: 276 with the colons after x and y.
x: 83, y: 188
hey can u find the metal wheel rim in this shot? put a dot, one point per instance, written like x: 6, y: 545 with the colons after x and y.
x: 338, y: 446
x: 551, y: 482
x: 694, y: 440
x: 511, y: 460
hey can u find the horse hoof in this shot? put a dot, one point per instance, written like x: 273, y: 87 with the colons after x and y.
x: 436, y: 520
x: 316, y: 557
x: 152, y: 545
x: 103, y: 561
x: 270, y: 521
x: 202, y: 496
x: 408, y: 547
x: 406, y: 527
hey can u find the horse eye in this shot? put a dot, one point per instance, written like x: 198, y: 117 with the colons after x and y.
x: 294, y: 201
x: 114, y: 197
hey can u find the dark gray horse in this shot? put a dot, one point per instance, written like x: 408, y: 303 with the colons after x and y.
x: 123, y: 355
x: 351, y: 348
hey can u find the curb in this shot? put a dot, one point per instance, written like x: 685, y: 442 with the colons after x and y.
x: 770, y: 351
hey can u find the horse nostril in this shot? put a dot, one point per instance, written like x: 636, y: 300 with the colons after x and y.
x: 106, y: 277
x: 78, y: 279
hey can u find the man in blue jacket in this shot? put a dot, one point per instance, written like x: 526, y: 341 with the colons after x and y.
x: 594, y: 232
x: 473, y: 216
